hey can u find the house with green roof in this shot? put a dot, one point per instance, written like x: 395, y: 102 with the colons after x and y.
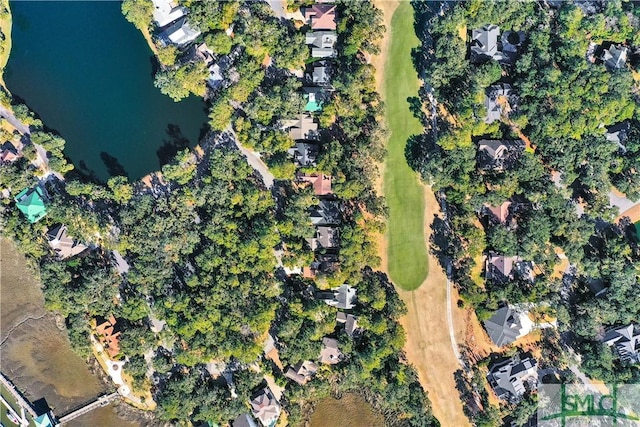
x: 314, y: 99
x: 30, y: 201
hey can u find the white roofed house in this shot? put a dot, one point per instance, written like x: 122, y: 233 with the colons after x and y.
x: 342, y: 297
x: 166, y: 11
x: 179, y: 33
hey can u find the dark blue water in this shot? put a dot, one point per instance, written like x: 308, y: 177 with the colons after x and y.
x: 88, y: 74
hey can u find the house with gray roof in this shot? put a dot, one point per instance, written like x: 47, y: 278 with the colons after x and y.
x: 304, y: 154
x: 488, y: 44
x: 343, y: 297
x: 507, y: 325
x: 330, y: 354
x: 326, y: 237
x: 618, y: 134
x: 626, y: 342
x: 244, y: 420
x: 320, y: 73
x: 302, y: 128
x: 322, y: 43
x: 179, y: 33
x: 63, y: 245
x: 327, y: 212
x: 615, y: 56
x: 498, y: 155
x: 499, y: 99
x: 511, y: 378
x: 349, y: 321
x: 302, y: 372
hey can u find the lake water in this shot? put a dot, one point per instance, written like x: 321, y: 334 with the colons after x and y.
x: 88, y: 74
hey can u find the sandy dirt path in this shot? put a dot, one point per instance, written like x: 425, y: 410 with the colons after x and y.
x: 428, y: 345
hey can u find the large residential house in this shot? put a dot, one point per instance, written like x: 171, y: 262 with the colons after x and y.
x: 511, y: 378
x: 507, y: 325
x: 166, y: 11
x: 244, y: 420
x: 325, y: 238
x: 497, y: 214
x: 498, y: 155
x: 64, y: 245
x: 314, y: 98
x: 108, y: 331
x: 343, y: 297
x: 499, y: 99
x: 179, y: 33
x: 31, y: 202
x: 302, y: 128
x: 501, y: 268
x: 614, y: 57
x: 320, y: 182
x: 323, y: 264
x: 487, y: 44
x: 320, y: 73
x: 618, y: 134
x: 265, y: 407
x: 304, y: 154
x: 349, y: 321
x: 321, y: 16
x: 9, y: 153
x: 327, y: 212
x: 322, y: 43
x: 626, y: 341
x: 302, y: 372
x: 330, y: 354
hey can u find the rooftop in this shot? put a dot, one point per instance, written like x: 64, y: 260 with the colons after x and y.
x: 511, y: 378
x: 330, y: 354
x: 31, y: 202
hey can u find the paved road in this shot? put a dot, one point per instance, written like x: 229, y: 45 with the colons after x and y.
x: 279, y: 7
x: 254, y: 160
x: 8, y: 115
x: 452, y: 333
x: 41, y: 160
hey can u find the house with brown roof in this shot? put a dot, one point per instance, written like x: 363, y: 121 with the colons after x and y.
x: 330, y: 354
x: 501, y: 268
x: 497, y: 214
x: 302, y: 372
x: 320, y: 182
x: 108, y: 331
x: 64, y: 245
x: 321, y: 16
x: 265, y: 407
x: 9, y: 153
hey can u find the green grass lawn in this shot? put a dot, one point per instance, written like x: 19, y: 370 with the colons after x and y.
x: 407, y: 249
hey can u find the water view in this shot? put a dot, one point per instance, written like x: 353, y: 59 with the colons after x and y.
x: 88, y: 74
